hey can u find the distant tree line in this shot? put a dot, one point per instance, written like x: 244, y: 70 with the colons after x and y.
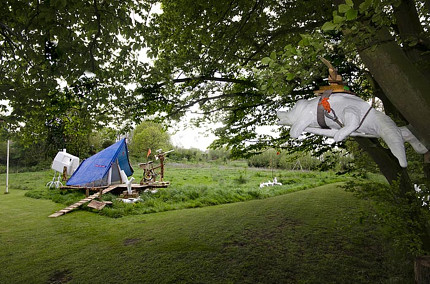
x: 197, y: 155
x: 38, y: 154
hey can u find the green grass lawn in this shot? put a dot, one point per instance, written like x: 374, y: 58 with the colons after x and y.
x: 310, y: 236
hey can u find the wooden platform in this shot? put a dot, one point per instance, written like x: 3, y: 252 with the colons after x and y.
x: 81, y: 202
x: 95, y: 188
x: 105, y: 190
x: 157, y: 184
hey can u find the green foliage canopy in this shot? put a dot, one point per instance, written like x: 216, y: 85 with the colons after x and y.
x: 210, y: 61
x: 45, y: 45
x: 240, y: 61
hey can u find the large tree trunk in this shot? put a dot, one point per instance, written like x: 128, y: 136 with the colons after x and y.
x: 415, y: 42
x: 404, y: 85
x: 387, y: 163
x: 422, y: 270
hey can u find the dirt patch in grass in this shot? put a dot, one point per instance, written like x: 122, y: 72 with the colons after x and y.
x: 252, y: 237
x: 63, y: 276
x: 130, y: 242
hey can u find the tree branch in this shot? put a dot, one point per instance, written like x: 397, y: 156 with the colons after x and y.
x: 387, y: 163
x: 416, y: 44
x: 243, y: 23
x: 402, y: 82
x: 278, y: 33
x: 204, y: 100
x: 94, y: 40
x: 407, y: 20
x: 217, y: 79
x: 235, y: 108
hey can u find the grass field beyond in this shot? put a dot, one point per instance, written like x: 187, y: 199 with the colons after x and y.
x: 191, y: 186
x: 312, y: 236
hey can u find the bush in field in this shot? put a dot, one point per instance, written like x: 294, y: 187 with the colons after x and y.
x: 197, y: 155
x: 299, y: 161
x: 274, y: 159
x: 242, y: 178
x: 187, y: 155
x: 267, y: 159
x: 338, y: 160
x: 219, y: 155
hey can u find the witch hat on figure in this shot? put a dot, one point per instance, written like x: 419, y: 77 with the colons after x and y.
x: 336, y: 83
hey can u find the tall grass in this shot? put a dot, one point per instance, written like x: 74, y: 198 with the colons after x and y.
x: 191, y: 187
x: 207, y: 186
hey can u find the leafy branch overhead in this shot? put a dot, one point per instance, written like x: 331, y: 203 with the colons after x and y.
x: 237, y: 62
x: 228, y: 43
x: 46, y: 45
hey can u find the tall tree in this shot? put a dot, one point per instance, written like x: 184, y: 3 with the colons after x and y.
x: 243, y: 60
x: 392, y: 40
x: 149, y: 136
x: 208, y: 61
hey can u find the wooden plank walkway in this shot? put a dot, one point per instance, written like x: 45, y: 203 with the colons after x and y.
x: 83, y: 201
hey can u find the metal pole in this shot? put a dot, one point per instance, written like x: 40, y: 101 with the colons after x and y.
x: 7, y: 168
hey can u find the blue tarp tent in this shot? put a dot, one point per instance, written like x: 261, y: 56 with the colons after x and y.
x: 104, y: 167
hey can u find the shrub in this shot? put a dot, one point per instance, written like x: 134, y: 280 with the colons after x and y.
x: 267, y: 159
x: 273, y: 159
x: 242, y: 178
x: 406, y: 216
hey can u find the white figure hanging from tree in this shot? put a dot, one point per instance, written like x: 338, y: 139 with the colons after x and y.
x: 338, y: 113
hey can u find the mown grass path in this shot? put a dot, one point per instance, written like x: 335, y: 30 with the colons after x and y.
x: 310, y: 236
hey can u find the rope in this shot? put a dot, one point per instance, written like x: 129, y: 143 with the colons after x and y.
x: 334, y: 117
x: 364, y: 117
